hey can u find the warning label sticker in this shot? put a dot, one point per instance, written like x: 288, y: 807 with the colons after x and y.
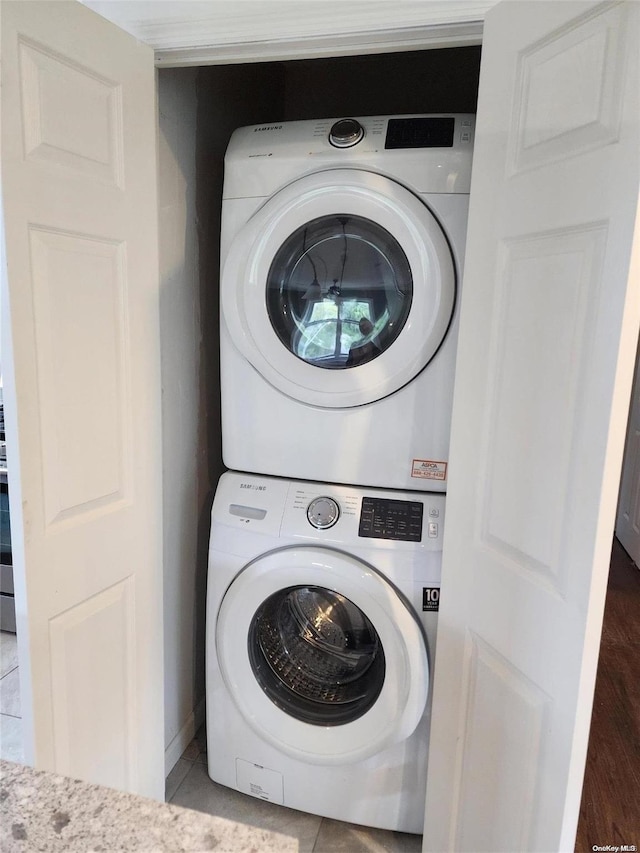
x: 427, y: 469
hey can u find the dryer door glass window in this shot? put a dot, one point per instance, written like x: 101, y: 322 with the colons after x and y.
x: 339, y: 291
x: 316, y: 655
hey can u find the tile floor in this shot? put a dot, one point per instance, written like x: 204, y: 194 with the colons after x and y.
x: 10, y: 722
x: 189, y: 785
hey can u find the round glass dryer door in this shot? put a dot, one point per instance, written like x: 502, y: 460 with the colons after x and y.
x: 322, y: 656
x: 340, y: 289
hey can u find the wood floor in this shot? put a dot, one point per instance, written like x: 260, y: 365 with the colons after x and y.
x: 610, y: 809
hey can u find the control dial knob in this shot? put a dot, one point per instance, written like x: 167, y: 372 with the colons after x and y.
x: 323, y: 512
x: 345, y: 133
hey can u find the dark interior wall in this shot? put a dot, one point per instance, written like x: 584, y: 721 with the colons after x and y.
x: 423, y: 81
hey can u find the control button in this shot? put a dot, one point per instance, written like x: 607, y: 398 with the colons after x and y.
x: 345, y: 133
x: 434, y: 512
x: 323, y: 512
x: 433, y: 530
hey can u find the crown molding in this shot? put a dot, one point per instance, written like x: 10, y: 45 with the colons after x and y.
x: 308, y: 47
x: 199, y: 32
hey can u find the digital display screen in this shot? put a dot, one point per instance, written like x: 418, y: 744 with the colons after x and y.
x: 420, y: 132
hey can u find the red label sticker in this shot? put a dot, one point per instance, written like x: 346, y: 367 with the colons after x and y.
x: 427, y: 469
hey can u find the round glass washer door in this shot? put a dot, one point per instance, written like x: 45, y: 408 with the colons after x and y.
x: 321, y: 655
x: 316, y: 655
x: 340, y: 289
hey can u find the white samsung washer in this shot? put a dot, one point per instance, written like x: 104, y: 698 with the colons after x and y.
x: 341, y: 257
x: 321, y: 625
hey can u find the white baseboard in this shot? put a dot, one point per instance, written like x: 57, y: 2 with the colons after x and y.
x: 184, y: 737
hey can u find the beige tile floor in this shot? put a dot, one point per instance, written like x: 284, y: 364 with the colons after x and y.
x: 10, y: 714
x: 189, y: 785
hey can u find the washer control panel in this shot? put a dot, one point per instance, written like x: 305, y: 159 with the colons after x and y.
x: 319, y: 512
x: 344, y: 514
x: 323, y: 512
x: 385, y: 518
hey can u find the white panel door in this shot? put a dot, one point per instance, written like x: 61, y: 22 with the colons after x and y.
x: 82, y: 391
x: 549, y: 325
x: 628, y: 520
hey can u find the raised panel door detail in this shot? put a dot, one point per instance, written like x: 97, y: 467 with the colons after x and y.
x: 542, y: 325
x: 71, y: 115
x: 82, y: 376
x: 504, y: 717
x: 93, y: 667
x: 552, y: 122
x: 80, y: 332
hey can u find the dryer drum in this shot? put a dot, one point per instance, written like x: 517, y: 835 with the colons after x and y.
x: 316, y: 655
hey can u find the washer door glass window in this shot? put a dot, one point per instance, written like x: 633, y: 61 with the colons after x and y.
x: 322, y: 657
x: 316, y: 655
x: 339, y: 291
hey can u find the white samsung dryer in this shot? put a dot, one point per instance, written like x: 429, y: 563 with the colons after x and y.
x: 341, y: 261
x: 321, y: 625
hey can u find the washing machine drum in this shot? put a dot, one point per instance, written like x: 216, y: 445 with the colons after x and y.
x: 321, y: 655
x: 316, y: 655
x: 340, y: 289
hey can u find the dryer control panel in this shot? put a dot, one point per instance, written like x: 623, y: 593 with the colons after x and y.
x: 430, y: 153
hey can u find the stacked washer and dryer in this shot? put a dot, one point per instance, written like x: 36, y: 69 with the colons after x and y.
x: 341, y: 256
